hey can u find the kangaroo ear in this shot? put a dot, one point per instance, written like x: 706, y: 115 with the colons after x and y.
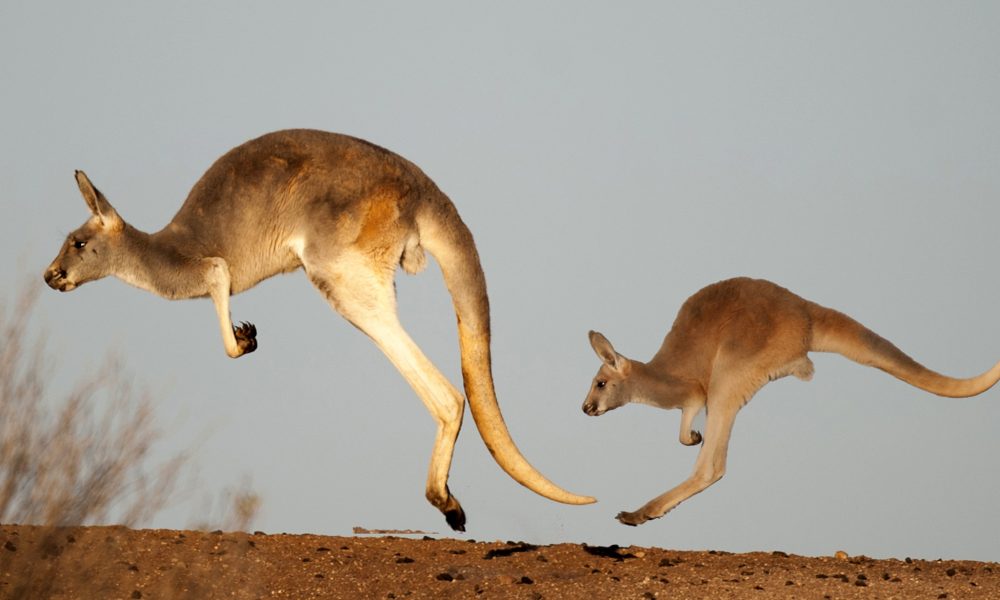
x: 606, y: 352
x: 97, y: 203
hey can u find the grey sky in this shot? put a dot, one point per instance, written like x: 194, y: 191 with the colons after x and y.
x: 610, y: 159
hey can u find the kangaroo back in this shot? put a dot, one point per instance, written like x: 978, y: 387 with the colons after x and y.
x: 834, y: 331
x: 449, y: 241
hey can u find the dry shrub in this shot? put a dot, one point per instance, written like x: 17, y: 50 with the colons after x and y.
x: 80, y: 460
x: 233, y: 510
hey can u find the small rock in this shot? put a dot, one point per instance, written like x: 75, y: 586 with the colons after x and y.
x: 444, y: 577
x: 840, y: 554
x: 950, y: 572
x: 9, y: 545
x: 526, y: 580
x: 136, y: 594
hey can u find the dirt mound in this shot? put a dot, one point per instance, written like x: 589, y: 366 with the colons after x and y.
x: 115, y: 562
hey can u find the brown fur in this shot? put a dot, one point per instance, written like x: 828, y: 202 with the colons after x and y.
x: 348, y: 212
x: 728, y: 340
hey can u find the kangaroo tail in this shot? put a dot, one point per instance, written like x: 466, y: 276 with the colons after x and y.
x: 450, y: 242
x: 834, y: 331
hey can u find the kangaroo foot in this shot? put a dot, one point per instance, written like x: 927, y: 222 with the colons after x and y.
x: 246, y: 337
x: 455, y: 517
x: 453, y: 513
x: 631, y: 518
x: 450, y: 508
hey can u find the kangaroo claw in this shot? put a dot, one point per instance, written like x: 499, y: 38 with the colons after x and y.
x: 246, y: 337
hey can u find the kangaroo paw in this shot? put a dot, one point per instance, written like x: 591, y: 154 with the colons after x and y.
x: 694, y: 438
x: 246, y: 337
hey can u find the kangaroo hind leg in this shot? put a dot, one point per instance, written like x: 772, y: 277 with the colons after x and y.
x: 725, y: 398
x: 364, y: 294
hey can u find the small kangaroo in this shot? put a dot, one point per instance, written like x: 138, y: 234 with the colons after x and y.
x: 348, y: 212
x: 728, y: 340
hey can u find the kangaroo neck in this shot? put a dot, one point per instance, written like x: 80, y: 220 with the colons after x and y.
x: 659, y: 387
x: 155, y: 263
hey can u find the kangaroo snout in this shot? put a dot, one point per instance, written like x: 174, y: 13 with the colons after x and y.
x: 55, y: 277
x: 592, y: 409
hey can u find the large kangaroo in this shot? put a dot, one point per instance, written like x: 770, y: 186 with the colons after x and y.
x: 728, y: 340
x: 346, y: 211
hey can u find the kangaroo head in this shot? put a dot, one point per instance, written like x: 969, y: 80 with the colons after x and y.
x: 92, y: 250
x: 612, y: 387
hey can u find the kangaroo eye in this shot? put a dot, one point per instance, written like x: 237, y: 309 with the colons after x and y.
x: 78, y: 244
x: 601, y: 383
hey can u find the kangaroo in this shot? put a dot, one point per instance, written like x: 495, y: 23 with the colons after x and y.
x: 347, y: 212
x: 728, y: 340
